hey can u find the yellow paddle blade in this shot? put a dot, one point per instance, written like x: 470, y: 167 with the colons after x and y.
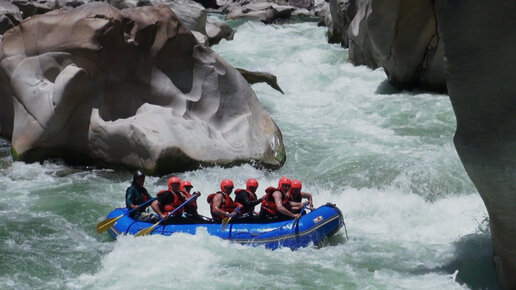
x: 225, y: 222
x: 107, y: 224
x: 146, y: 231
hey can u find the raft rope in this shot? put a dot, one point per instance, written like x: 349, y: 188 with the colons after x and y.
x: 259, y: 234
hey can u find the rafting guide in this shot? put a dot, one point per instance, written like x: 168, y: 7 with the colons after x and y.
x: 136, y: 195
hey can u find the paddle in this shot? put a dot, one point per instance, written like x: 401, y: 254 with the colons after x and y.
x: 149, y: 230
x: 226, y: 220
x: 110, y: 222
x: 296, y: 220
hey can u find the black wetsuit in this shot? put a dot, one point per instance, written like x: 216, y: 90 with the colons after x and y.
x: 242, y: 197
x: 248, y: 204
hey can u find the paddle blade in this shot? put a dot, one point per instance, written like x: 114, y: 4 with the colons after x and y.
x: 225, y: 222
x: 146, y: 231
x: 107, y: 224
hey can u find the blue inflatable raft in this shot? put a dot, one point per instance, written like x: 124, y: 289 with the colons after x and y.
x: 311, y: 228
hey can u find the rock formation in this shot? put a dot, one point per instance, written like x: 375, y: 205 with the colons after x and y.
x: 191, y: 14
x: 269, y: 10
x: 479, y: 40
x: 254, y: 77
x: 216, y: 31
x: 127, y: 87
x: 342, y: 13
x: 265, y: 12
x: 400, y: 36
x: 10, y: 16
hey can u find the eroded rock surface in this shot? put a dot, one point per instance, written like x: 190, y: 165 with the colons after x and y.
x: 479, y: 40
x: 342, y: 13
x: 217, y: 30
x: 400, y: 36
x: 191, y: 14
x: 263, y: 11
x: 10, y: 16
x: 127, y: 87
x: 254, y: 77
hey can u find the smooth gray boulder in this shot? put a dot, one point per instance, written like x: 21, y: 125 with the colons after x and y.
x: 191, y: 14
x: 401, y: 36
x: 479, y: 40
x: 129, y: 88
x: 265, y: 12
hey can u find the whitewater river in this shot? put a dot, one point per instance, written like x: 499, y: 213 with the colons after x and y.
x: 385, y: 157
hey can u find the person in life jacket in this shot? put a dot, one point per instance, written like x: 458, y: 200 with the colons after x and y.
x: 190, y: 208
x: 221, y: 204
x: 247, y: 197
x: 276, y: 204
x: 168, y: 200
x: 135, y: 195
x: 295, y: 196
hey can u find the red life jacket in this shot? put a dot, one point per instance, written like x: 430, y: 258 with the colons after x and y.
x: 228, y: 205
x: 192, y: 203
x: 251, y: 195
x: 169, y: 201
x: 268, y: 203
x: 142, y: 192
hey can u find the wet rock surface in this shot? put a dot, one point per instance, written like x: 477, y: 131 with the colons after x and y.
x: 128, y: 87
x: 480, y: 81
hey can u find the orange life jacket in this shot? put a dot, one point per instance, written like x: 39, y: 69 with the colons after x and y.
x: 228, y: 205
x: 169, y: 201
x: 268, y: 203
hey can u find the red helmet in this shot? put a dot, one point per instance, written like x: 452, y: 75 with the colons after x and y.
x: 185, y: 183
x: 296, y: 184
x: 226, y: 182
x: 251, y: 182
x: 173, y: 180
x: 284, y: 180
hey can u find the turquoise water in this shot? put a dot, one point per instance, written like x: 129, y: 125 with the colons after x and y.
x: 385, y: 157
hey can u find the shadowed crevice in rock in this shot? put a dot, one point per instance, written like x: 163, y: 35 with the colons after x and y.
x: 474, y: 262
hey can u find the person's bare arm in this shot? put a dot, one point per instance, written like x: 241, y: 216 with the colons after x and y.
x: 155, y: 207
x: 309, y: 197
x: 280, y: 207
x: 217, y: 202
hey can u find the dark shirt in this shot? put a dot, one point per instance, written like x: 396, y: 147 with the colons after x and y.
x: 242, y: 197
x: 136, y: 195
x: 297, y: 198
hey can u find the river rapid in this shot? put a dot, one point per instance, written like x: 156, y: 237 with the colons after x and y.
x: 384, y: 157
